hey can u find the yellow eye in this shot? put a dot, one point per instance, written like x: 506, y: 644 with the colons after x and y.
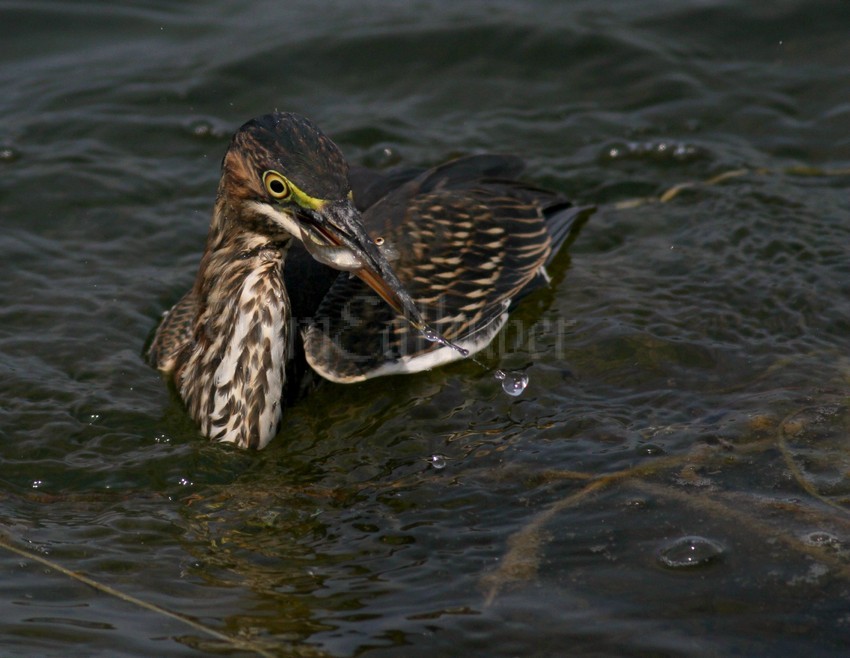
x: 276, y: 185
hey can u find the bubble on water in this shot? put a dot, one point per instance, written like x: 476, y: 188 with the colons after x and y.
x: 658, y: 150
x: 637, y: 503
x: 9, y: 154
x: 691, y: 551
x: 823, y: 539
x: 438, y: 461
x: 202, y: 129
x: 513, y: 382
x: 650, y: 450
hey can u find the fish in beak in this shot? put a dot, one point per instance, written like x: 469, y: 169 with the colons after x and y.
x: 334, y: 234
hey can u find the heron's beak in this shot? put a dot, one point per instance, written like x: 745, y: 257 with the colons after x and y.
x: 333, y: 233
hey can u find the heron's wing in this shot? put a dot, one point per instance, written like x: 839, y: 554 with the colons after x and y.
x: 173, y: 333
x: 465, y: 243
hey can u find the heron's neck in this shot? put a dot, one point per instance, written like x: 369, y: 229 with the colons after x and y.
x: 233, y: 380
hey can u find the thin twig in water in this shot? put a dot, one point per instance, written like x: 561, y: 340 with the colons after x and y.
x: 520, y: 562
x: 524, y: 547
x: 751, y: 522
x: 8, y: 544
x: 673, y: 192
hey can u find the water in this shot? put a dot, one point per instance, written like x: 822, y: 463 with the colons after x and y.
x: 689, y: 361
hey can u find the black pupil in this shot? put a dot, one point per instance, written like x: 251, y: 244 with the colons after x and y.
x: 277, y: 187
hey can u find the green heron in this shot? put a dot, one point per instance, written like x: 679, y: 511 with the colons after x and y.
x: 294, y: 259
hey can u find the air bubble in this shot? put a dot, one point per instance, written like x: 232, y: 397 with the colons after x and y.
x: 9, y: 154
x: 691, y: 551
x: 437, y: 461
x: 650, y: 450
x: 823, y: 539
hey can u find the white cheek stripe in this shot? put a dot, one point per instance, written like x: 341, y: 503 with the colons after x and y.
x: 282, y: 219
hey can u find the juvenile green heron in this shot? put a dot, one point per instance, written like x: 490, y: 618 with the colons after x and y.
x: 446, y: 249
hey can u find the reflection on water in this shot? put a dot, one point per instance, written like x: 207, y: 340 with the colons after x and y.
x: 675, y: 479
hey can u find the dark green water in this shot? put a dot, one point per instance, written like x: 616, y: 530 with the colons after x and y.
x: 692, y: 351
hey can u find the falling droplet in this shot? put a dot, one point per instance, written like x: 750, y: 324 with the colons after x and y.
x: 437, y: 461
x: 513, y: 382
x: 431, y: 335
x: 691, y: 551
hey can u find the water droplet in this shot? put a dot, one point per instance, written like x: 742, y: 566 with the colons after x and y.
x: 690, y: 551
x: 437, y: 461
x: 513, y: 382
x: 429, y: 334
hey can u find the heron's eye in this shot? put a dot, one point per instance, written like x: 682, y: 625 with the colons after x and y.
x: 276, y: 185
